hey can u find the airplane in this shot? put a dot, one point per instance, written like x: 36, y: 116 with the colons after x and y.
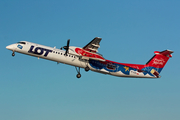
x: 89, y: 59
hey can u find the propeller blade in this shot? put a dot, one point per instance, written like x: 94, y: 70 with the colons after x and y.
x: 67, y: 47
x: 68, y: 43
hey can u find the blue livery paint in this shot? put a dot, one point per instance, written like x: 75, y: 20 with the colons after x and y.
x: 110, y: 67
x: 20, y: 46
x: 113, y: 67
x: 148, y: 69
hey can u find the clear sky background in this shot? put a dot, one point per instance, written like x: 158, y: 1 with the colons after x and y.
x: 131, y: 30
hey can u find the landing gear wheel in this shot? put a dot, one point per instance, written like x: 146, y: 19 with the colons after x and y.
x: 87, y: 69
x: 78, y: 75
x: 13, y: 54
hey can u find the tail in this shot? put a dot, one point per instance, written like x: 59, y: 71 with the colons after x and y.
x: 157, y: 62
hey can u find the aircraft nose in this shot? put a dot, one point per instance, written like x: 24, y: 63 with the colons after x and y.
x: 10, y: 47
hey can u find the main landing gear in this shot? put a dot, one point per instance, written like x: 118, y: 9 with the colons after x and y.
x: 86, y: 68
x: 78, y: 71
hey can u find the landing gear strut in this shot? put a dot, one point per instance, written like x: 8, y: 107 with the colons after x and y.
x: 78, y: 71
x: 13, y: 54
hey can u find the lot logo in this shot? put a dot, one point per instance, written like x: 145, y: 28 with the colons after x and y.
x: 39, y: 51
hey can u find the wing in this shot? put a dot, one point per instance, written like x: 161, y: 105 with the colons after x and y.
x: 93, y: 45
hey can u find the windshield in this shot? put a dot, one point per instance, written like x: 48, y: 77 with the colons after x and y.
x: 22, y: 42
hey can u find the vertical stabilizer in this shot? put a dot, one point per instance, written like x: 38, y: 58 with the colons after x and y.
x: 158, y: 61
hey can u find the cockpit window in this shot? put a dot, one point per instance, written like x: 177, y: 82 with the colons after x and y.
x: 22, y: 42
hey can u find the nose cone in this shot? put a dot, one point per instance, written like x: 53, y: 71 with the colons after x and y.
x: 10, y: 47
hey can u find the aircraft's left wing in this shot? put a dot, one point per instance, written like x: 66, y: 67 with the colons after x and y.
x: 89, y: 51
x: 93, y: 45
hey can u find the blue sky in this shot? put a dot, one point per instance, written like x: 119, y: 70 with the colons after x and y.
x: 131, y: 31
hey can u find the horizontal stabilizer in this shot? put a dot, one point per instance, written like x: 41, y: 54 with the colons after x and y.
x: 165, y: 53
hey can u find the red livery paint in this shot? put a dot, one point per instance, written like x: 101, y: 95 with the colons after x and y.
x: 157, y: 61
x: 88, y: 54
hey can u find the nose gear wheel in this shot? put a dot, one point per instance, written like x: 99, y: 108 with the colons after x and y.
x: 13, y: 54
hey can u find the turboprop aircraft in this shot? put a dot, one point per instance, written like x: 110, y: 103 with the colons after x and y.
x: 89, y: 59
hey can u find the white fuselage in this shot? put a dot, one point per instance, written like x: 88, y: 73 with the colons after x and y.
x: 55, y: 54
x: 59, y: 56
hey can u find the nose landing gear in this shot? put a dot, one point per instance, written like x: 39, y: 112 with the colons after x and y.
x: 13, y: 54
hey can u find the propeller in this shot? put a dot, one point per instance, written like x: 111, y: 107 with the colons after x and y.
x: 67, y: 47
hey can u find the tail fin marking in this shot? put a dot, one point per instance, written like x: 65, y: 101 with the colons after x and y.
x: 158, y: 61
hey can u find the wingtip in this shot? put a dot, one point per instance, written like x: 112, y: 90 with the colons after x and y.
x: 98, y: 37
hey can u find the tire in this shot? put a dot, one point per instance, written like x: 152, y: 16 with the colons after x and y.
x: 78, y: 75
